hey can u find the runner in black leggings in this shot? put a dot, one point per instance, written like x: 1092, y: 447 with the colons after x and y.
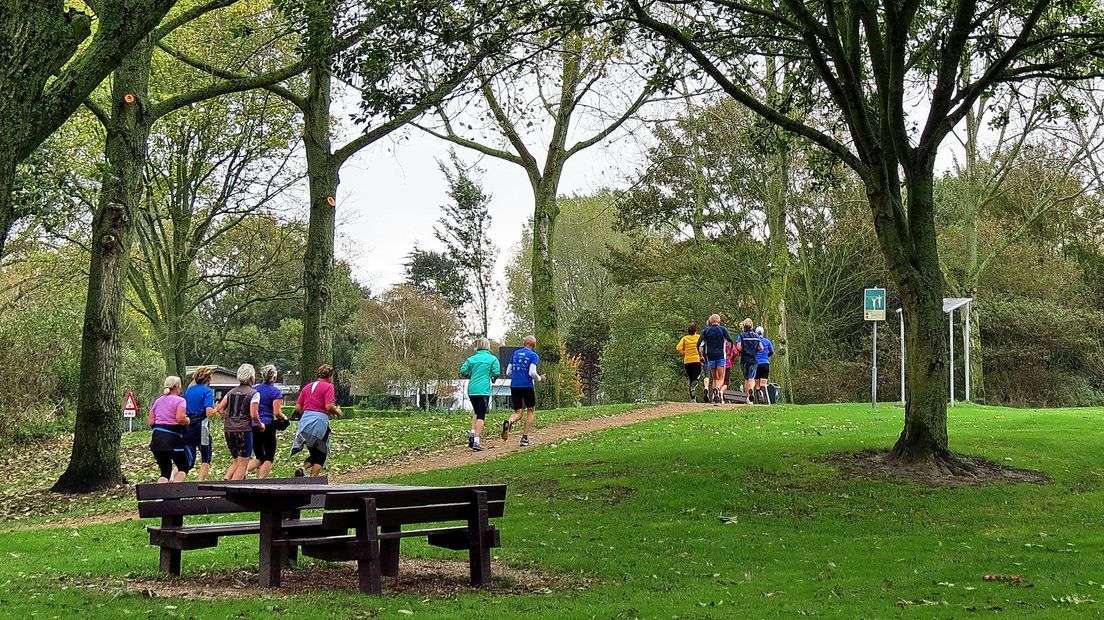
x: 691, y: 358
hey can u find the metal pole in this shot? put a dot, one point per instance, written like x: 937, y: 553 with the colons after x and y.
x: 950, y: 341
x: 901, y: 315
x: 874, y: 372
x: 966, y: 345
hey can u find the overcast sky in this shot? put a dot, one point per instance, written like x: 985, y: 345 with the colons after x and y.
x: 391, y: 193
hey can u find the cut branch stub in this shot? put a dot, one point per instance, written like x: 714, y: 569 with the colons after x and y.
x: 330, y: 201
x: 130, y: 99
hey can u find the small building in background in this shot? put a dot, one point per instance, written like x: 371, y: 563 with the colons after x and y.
x: 223, y: 380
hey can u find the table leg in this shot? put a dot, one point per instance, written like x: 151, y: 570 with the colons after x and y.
x: 389, y: 553
x: 271, y: 558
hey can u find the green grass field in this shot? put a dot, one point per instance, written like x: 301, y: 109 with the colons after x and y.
x: 710, y: 515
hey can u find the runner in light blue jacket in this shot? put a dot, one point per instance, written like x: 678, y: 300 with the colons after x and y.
x: 480, y: 369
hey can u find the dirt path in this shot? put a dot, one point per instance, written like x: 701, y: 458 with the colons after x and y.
x: 494, y: 448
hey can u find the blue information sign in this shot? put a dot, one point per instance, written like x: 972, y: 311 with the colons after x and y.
x: 874, y: 304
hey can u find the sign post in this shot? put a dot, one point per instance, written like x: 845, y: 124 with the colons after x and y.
x: 874, y: 310
x: 130, y: 409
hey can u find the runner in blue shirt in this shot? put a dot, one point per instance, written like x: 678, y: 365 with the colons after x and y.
x: 523, y: 372
x: 200, y: 403
x: 712, y: 347
x: 762, y: 360
x: 269, y: 410
x: 748, y: 346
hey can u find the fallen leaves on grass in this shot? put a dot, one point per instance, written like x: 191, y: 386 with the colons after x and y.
x: 923, y: 602
x: 1015, y: 580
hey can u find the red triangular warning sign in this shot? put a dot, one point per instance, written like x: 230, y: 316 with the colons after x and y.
x: 130, y: 405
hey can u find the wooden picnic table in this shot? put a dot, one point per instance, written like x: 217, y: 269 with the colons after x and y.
x: 272, y: 501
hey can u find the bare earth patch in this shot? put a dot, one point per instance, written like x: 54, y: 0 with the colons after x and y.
x: 423, y: 577
x: 982, y: 471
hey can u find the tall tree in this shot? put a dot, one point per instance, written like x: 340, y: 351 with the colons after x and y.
x: 464, y: 229
x: 883, y: 68
x: 435, y: 273
x: 204, y: 179
x: 408, y: 341
x: 393, y: 41
x: 574, y: 71
x: 41, y: 39
x: 94, y: 463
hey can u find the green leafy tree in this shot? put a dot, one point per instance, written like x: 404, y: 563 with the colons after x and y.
x: 573, y: 71
x: 881, y: 69
x: 407, y: 341
x: 435, y: 273
x: 49, y: 69
x: 464, y: 229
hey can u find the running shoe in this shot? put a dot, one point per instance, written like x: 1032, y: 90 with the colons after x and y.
x: 299, y: 473
x: 471, y: 439
x: 524, y: 441
x: 476, y: 447
x: 506, y: 426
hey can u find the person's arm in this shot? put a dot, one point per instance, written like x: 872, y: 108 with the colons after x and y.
x: 255, y: 410
x: 465, y: 370
x: 221, y: 407
x: 209, y: 403
x: 299, y: 400
x: 278, y: 408
x: 739, y: 345
x: 534, y: 375
x: 681, y: 346
x: 496, y: 369
x: 331, y: 403
x: 182, y: 414
x: 149, y: 418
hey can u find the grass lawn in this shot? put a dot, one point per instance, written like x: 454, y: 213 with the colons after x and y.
x: 710, y: 515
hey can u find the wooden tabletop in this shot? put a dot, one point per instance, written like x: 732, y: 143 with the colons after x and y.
x: 301, y: 489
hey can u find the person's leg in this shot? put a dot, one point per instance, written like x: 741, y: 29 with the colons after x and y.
x: 517, y: 402
x: 529, y: 419
x: 262, y: 472
x: 183, y: 461
x: 164, y: 465
x: 718, y: 383
x: 480, y: 404
x: 315, y: 461
x: 205, y: 466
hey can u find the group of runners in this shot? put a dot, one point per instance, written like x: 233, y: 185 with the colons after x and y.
x: 717, y: 352
x: 252, y: 415
x: 483, y: 368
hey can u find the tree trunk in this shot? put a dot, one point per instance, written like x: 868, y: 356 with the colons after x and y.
x: 920, y: 281
x: 319, y: 257
x: 94, y: 463
x: 977, y: 355
x: 545, y: 322
x: 777, y: 208
x: 7, y: 183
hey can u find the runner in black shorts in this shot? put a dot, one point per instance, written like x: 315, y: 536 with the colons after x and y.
x: 523, y: 372
x: 523, y: 398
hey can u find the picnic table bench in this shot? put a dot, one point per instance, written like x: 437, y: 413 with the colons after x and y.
x: 376, y: 514
x: 174, y: 501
